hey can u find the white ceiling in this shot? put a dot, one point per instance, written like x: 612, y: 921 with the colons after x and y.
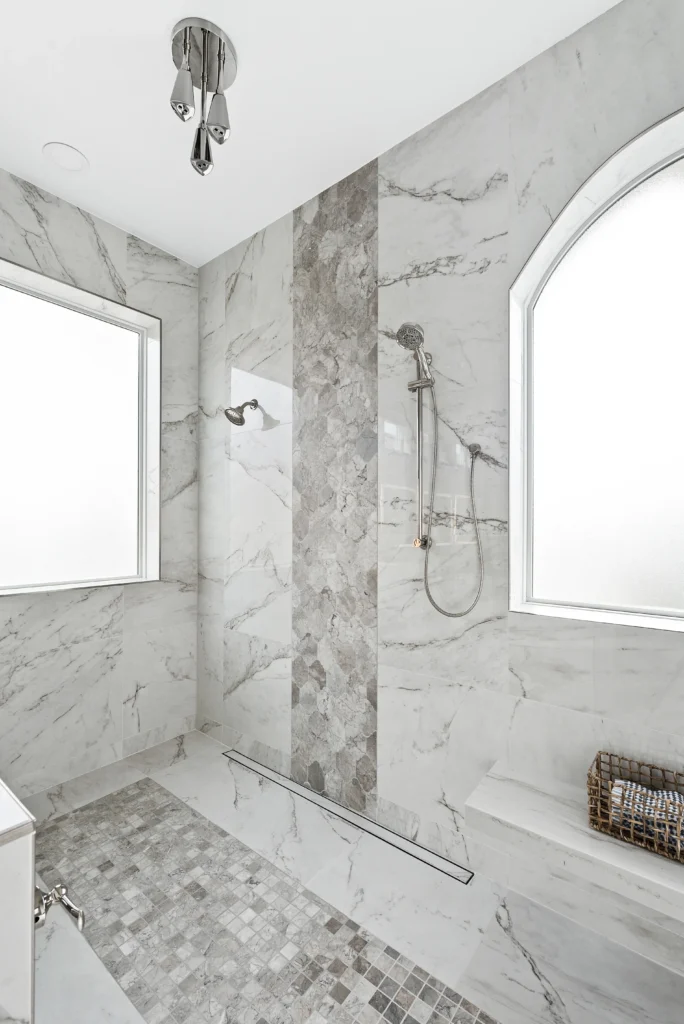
x: 322, y: 88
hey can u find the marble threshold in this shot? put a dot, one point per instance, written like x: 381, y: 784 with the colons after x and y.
x: 381, y: 832
x: 513, y: 815
x: 424, y: 913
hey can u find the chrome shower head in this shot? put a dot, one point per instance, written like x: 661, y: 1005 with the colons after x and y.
x: 236, y: 413
x: 411, y: 336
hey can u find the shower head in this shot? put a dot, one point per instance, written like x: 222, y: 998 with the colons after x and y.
x: 236, y: 413
x: 410, y: 336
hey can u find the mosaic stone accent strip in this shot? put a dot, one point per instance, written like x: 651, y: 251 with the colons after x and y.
x: 335, y: 492
x: 198, y: 929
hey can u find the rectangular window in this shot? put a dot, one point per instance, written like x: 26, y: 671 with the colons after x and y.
x: 79, y: 436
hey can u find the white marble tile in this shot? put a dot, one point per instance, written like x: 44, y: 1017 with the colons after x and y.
x: 639, y: 678
x: 442, y: 262
x: 552, y: 660
x: 413, y: 635
x: 536, y: 966
x: 16, y: 930
x: 258, y: 601
x: 259, y: 468
x: 214, y: 498
x: 37, y: 623
x: 60, y: 714
x: 171, y: 601
x: 256, y: 707
x: 158, y: 688
x: 421, y: 912
x: 179, y: 500
x: 72, y: 984
x: 559, y: 745
x: 61, y: 710
x: 577, y: 103
x: 645, y: 932
x: 544, y: 828
x: 82, y: 790
x: 161, y: 284
x: 168, y: 730
x: 257, y: 698
x: 258, y: 314
x: 210, y: 670
x: 174, y: 751
x: 436, y: 740
x: 291, y: 832
x: 44, y: 233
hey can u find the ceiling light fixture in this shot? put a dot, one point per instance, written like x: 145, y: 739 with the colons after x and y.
x: 206, y: 60
x: 66, y: 157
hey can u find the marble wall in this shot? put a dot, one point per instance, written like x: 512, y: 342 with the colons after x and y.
x: 245, y: 548
x: 287, y: 550
x: 460, y: 205
x: 89, y: 676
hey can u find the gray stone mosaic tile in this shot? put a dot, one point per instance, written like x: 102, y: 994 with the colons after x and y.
x: 198, y: 929
x: 335, y: 492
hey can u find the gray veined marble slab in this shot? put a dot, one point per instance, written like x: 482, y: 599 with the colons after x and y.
x: 536, y: 967
x: 552, y: 828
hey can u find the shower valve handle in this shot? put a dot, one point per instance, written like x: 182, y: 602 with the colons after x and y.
x: 60, y: 894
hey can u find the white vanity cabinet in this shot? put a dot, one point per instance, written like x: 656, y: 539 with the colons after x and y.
x: 17, y: 853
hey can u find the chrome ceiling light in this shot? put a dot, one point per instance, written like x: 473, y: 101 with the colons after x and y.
x: 206, y: 60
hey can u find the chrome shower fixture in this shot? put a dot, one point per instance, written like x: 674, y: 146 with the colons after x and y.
x: 206, y: 60
x: 183, y: 95
x: 412, y: 337
x: 236, y: 413
x: 218, y: 122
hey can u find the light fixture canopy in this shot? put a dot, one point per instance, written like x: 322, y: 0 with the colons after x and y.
x: 206, y: 60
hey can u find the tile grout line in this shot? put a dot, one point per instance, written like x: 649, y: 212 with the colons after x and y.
x: 381, y: 832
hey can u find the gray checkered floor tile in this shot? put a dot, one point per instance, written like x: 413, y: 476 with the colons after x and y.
x: 198, y: 929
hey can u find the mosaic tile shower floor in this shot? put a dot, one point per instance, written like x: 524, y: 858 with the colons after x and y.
x: 198, y: 929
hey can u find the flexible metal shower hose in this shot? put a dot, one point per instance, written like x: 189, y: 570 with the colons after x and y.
x: 433, y: 482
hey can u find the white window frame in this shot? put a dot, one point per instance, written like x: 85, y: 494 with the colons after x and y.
x: 648, y: 153
x: 148, y: 329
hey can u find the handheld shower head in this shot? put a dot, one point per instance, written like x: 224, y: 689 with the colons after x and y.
x: 412, y: 337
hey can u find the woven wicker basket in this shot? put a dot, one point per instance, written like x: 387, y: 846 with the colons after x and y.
x: 605, y: 815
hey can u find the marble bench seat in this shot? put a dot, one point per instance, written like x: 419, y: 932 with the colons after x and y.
x: 553, y: 828
x: 540, y: 844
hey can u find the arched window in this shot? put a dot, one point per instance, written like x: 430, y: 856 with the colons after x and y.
x: 597, y: 397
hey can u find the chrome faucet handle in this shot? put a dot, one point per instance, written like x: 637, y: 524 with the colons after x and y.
x: 60, y: 894
x: 40, y: 907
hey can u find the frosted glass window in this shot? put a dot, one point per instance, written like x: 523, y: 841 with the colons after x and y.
x: 607, y: 412
x: 79, y: 436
